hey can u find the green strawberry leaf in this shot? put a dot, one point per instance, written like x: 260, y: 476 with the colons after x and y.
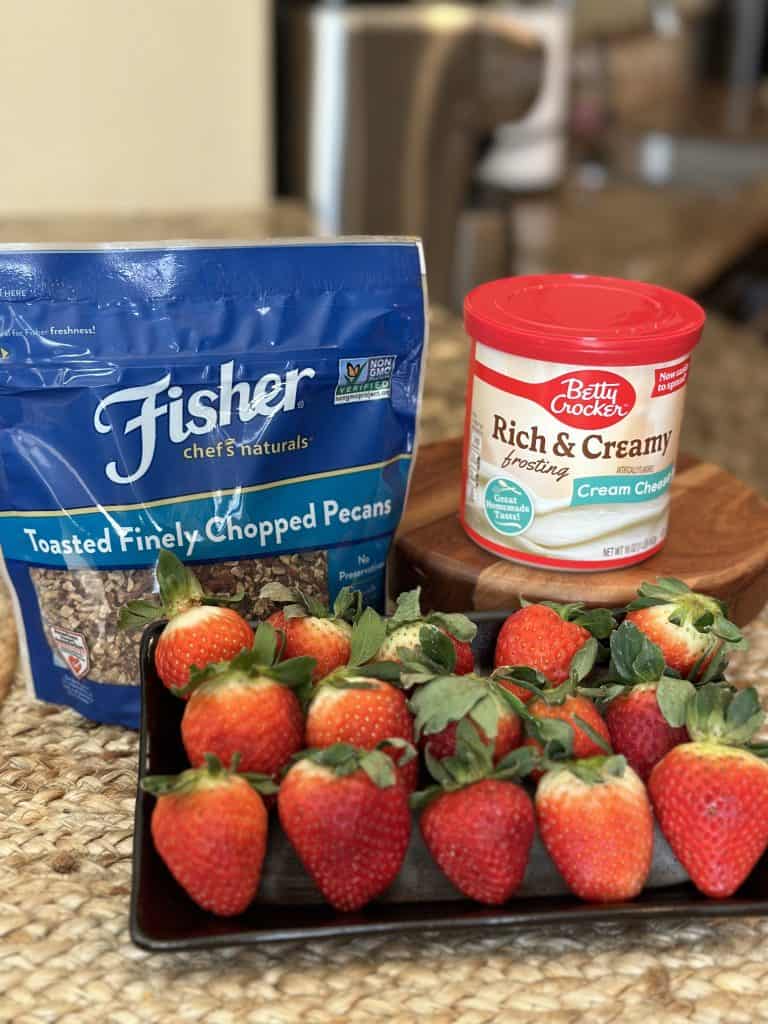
x: 295, y: 672
x: 729, y: 632
x: 368, y: 634
x: 555, y: 736
x: 565, y: 611
x: 348, y: 605
x: 386, y: 671
x: 595, y: 736
x: 635, y: 658
x: 265, y: 644
x: 223, y: 600
x: 437, y: 648
x: 598, y: 621
x: 720, y: 714
x: 407, y: 750
x: 342, y: 758
x: 472, y: 761
x: 424, y: 797
x: 583, y: 661
x: 666, y: 590
x: 673, y: 696
x: 188, y: 781
x: 314, y: 607
x: 744, y: 715
x: 485, y: 713
x: 407, y: 609
x: 603, y: 695
x: 516, y: 763
x: 279, y: 593
x: 379, y: 768
x: 458, y: 625
x: 514, y: 702
x: 599, y: 769
x: 263, y: 784
x: 523, y: 676
x: 444, y: 700
x: 178, y: 585
x: 138, y: 614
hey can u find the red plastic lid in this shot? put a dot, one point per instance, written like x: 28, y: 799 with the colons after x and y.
x: 576, y: 318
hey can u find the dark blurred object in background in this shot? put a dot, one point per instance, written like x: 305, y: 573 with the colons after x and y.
x: 384, y: 111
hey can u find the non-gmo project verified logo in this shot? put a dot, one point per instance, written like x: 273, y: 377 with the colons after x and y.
x: 364, y: 379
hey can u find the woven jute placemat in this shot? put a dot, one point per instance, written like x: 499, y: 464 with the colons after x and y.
x: 66, y: 820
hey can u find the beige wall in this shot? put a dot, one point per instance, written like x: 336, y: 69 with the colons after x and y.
x: 133, y: 105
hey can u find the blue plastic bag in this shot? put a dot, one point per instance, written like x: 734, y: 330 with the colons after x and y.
x: 251, y: 408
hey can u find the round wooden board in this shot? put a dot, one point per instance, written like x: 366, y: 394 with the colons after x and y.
x: 717, y: 543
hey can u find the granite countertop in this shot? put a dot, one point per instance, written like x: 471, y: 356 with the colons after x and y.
x: 683, y: 238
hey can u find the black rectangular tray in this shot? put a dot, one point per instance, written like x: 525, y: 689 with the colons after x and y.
x: 163, y: 918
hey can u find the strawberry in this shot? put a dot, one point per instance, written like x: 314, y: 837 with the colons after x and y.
x: 439, y: 706
x: 209, y: 826
x: 348, y: 707
x: 246, y: 705
x: 711, y: 795
x: 477, y: 824
x: 691, y: 629
x: 639, y: 730
x: 546, y: 637
x: 596, y: 823
x: 645, y: 709
x: 405, y: 633
x: 312, y: 629
x: 199, y: 631
x: 346, y: 814
x: 553, y: 708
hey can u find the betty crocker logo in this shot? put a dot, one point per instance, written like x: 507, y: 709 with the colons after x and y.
x: 582, y: 398
x: 589, y: 398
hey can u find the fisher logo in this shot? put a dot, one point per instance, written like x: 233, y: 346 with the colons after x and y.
x: 585, y: 399
x: 198, y: 413
x: 364, y: 379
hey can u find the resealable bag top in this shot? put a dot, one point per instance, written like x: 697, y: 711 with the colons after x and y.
x: 251, y: 408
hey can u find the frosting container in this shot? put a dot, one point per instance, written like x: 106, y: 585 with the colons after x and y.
x: 574, y: 404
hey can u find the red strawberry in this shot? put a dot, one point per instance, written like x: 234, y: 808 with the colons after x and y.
x: 210, y: 828
x: 245, y: 705
x: 325, y: 640
x: 596, y: 823
x: 691, y: 629
x: 711, y: 795
x: 405, y: 632
x: 575, y: 709
x: 646, y: 709
x: 546, y: 637
x: 639, y: 730
x: 198, y: 631
x: 441, y: 704
x: 465, y: 658
x: 478, y: 826
x: 347, y: 816
x: 351, y: 708
x: 313, y: 630
x: 508, y: 736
